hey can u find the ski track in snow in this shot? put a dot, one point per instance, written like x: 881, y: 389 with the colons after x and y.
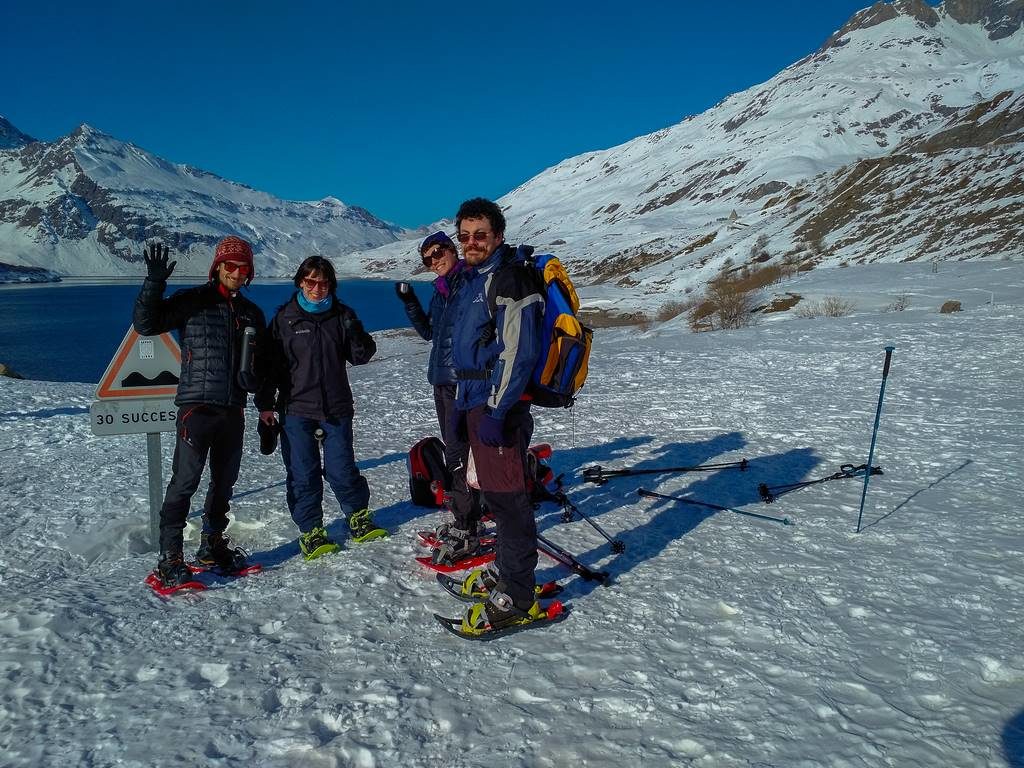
x: 723, y: 641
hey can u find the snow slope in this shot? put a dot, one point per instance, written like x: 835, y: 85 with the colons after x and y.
x: 723, y: 641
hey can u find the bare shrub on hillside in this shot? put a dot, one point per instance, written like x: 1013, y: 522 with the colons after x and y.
x: 727, y: 304
x: 671, y: 309
x: 830, y: 306
x: 759, y: 250
x: 899, y: 304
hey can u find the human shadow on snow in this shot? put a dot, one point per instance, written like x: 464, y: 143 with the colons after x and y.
x: 1013, y: 740
x: 662, y: 521
x: 399, y: 513
x: 338, y: 528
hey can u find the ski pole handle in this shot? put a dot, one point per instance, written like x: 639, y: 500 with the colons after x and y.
x: 888, y: 359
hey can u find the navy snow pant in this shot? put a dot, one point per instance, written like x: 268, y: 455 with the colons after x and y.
x: 305, y: 473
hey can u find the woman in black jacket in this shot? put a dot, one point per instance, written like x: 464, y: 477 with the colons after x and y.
x: 439, y: 255
x: 313, y: 339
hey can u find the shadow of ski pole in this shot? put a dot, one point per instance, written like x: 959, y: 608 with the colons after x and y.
x: 910, y: 498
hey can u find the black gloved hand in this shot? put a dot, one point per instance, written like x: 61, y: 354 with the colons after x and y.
x: 405, y: 293
x: 156, y: 262
x: 351, y: 324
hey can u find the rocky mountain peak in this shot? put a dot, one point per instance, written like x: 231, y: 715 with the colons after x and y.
x: 1000, y: 18
x: 881, y: 12
x: 11, y: 137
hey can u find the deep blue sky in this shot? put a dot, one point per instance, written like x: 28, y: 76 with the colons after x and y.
x: 404, y: 108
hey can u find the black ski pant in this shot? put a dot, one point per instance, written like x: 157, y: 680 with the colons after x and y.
x: 203, y: 431
x: 501, y: 473
x: 456, y: 445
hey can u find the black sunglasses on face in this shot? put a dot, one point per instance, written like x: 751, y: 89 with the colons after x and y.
x: 432, y: 256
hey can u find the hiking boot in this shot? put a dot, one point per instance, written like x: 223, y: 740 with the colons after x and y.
x: 316, y: 542
x: 171, y: 569
x: 363, y: 528
x: 215, y: 551
x: 457, y: 544
x: 498, y: 612
x: 480, y: 582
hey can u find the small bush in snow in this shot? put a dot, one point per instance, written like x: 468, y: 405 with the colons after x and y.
x: 901, y: 302
x: 830, y: 306
x: 727, y: 304
x: 671, y: 309
x: 950, y: 306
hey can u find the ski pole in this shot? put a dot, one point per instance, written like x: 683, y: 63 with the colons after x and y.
x: 769, y: 493
x: 598, y: 475
x: 681, y: 500
x: 568, y: 509
x: 874, y: 432
x: 555, y: 552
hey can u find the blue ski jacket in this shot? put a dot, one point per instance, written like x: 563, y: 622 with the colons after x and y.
x: 496, y: 332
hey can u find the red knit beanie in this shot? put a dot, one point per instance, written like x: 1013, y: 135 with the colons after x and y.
x: 235, y: 249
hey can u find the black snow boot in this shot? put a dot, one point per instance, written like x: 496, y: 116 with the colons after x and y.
x: 172, y: 570
x: 215, y: 551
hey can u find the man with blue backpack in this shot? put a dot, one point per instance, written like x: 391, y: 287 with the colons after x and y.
x: 497, y: 327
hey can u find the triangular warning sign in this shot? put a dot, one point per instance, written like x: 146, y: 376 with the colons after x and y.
x: 143, y: 366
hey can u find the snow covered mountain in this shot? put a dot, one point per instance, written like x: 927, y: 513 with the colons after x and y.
x: 899, y: 139
x: 86, y: 203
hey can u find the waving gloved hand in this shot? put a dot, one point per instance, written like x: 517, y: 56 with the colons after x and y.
x: 405, y: 293
x: 156, y: 262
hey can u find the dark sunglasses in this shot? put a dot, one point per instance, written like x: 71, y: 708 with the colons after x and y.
x: 230, y: 266
x: 434, y: 255
x: 476, y: 237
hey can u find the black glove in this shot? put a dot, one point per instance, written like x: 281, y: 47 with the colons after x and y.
x: 156, y: 262
x: 405, y: 293
x: 351, y: 324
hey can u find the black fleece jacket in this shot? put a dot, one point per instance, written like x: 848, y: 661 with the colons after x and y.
x: 308, y: 356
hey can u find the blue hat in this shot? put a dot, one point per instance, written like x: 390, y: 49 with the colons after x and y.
x: 438, y: 238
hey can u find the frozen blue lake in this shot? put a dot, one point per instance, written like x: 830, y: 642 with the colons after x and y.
x: 69, y: 331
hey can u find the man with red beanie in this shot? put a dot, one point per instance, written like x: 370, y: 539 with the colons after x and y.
x: 211, y: 321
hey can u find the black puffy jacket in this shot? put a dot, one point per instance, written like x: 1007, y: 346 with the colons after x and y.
x: 209, y: 328
x: 308, y: 356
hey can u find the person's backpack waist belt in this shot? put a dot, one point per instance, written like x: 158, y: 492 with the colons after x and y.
x: 469, y: 374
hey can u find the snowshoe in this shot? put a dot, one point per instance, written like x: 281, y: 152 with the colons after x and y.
x: 172, y: 575
x: 497, y: 616
x: 434, y: 538
x: 316, y: 543
x: 483, y: 556
x: 363, y: 528
x: 456, y: 544
x: 480, y: 582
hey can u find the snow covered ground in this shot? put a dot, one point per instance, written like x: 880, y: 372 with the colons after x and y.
x: 723, y: 641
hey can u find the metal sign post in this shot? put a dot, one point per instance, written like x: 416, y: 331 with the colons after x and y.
x: 136, y: 396
x: 156, y: 486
